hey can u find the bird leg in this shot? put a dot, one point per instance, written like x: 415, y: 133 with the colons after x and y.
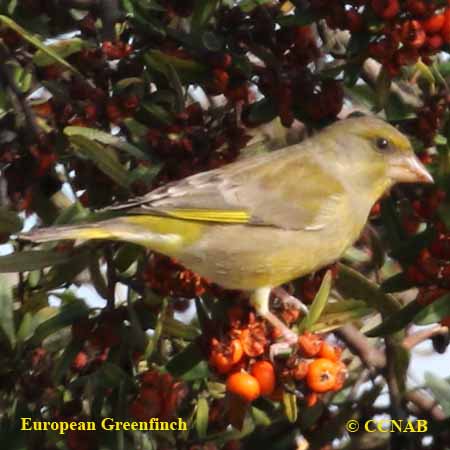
x: 290, y: 300
x: 259, y: 299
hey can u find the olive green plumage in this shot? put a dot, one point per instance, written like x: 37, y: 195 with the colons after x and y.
x: 267, y: 219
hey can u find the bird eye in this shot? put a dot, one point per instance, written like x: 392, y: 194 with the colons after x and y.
x: 382, y: 144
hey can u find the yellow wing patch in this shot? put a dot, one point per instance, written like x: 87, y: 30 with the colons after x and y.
x: 210, y: 215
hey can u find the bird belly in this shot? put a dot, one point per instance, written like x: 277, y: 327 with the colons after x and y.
x: 248, y: 257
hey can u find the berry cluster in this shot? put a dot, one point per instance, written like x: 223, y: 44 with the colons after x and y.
x: 169, y: 278
x: 401, y: 32
x: 241, y: 354
x: 159, y: 396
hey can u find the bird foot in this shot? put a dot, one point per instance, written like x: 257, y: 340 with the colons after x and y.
x: 290, y: 300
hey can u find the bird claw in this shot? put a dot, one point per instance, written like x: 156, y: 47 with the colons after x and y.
x: 290, y: 300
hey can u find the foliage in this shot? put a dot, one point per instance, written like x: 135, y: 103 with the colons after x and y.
x: 104, y: 100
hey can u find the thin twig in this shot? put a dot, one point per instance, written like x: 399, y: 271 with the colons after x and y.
x: 109, y: 13
x: 375, y: 360
x: 358, y: 344
x: 417, y: 338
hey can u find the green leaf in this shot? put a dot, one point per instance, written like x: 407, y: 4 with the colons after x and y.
x: 383, y: 88
x: 62, y: 48
x: 93, y: 134
x: 260, y: 417
x: 188, y: 70
x: 396, y: 283
x: 203, y: 11
x: 340, y: 313
x: 262, y: 111
x: 189, y: 364
x: 441, y: 391
x: 9, y: 221
x: 7, y: 311
x: 64, y: 362
x: 31, y: 260
x: 290, y: 406
x: 103, y: 157
x: 68, y: 314
x: 112, y: 376
x: 397, y: 321
x: 318, y: 304
x: 153, y: 341
x: 354, y: 285
x: 201, y: 417
x: 157, y: 112
x: 37, y: 43
x: 434, y: 312
x: 362, y: 94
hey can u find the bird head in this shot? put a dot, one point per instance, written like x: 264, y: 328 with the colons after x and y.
x: 379, y: 153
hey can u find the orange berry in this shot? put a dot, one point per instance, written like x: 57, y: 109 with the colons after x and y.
x: 264, y: 372
x: 237, y: 352
x: 301, y: 370
x: 341, y: 376
x: 223, y: 359
x: 253, y: 341
x: 329, y: 351
x: 80, y: 361
x: 321, y: 376
x: 244, y: 385
x: 309, y: 344
x: 445, y: 30
x: 311, y: 399
x: 434, y: 23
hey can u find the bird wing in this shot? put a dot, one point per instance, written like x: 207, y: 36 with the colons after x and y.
x: 287, y: 189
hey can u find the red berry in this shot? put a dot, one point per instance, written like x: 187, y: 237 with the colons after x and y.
x: 434, y: 23
x: 386, y: 9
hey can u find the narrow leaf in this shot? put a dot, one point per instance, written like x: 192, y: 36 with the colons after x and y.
x: 201, y: 419
x: 69, y: 314
x: 290, y: 406
x: 440, y: 389
x: 64, y: 362
x: 105, y: 138
x: 31, y: 260
x: 203, y: 11
x: 318, y: 304
x: 103, y: 157
x: 63, y: 49
x: 189, y: 364
x: 37, y: 43
x: 434, y: 312
x: 9, y: 221
x: 7, y: 311
x: 397, y: 321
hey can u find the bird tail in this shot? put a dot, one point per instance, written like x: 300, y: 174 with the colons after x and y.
x: 162, y: 234
x: 68, y: 232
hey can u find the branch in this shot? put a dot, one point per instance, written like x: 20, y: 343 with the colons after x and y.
x: 109, y: 13
x: 417, y: 338
x: 375, y: 360
x: 358, y: 344
x: 426, y: 404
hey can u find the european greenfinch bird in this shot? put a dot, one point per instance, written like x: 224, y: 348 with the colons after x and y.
x: 262, y: 221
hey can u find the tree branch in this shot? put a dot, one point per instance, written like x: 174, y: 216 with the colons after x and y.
x: 375, y: 360
x: 417, y: 338
x: 109, y: 13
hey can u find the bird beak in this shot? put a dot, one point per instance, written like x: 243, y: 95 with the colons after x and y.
x: 408, y: 169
